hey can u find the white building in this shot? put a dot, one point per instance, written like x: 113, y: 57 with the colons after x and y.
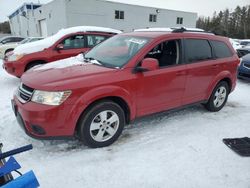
x: 45, y: 20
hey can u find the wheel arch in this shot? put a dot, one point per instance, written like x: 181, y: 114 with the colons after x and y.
x: 8, y: 50
x: 111, y: 93
x: 223, y: 76
x: 34, y: 62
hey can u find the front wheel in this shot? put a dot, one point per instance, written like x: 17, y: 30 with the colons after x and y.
x: 218, y: 98
x: 101, y: 125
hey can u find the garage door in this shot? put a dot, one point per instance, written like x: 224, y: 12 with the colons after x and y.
x: 43, y: 28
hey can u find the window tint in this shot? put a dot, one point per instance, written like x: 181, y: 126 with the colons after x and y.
x: 76, y: 41
x: 197, y: 50
x: 167, y: 53
x: 221, y: 50
x: 16, y: 39
x: 244, y: 43
x: 94, y: 40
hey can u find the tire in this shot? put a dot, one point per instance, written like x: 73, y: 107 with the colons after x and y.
x: 218, y: 97
x: 9, y: 50
x: 95, y: 128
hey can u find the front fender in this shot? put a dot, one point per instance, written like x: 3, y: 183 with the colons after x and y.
x: 103, y: 92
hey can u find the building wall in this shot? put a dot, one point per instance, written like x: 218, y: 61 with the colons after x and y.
x: 54, y: 15
x: 60, y: 14
x: 101, y: 13
x: 19, y: 24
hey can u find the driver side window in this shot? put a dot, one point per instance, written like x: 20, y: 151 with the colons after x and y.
x: 74, y: 42
x: 167, y: 53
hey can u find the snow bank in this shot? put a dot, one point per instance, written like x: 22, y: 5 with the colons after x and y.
x: 49, y: 41
x: 63, y: 63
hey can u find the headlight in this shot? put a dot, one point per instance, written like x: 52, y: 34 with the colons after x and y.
x: 15, y: 57
x: 50, y: 98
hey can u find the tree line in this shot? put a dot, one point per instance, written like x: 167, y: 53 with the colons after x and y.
x: 233, y: 24
x: 5, y: 27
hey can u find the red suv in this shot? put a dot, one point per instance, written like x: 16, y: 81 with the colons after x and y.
x: 127, y: 76
x: 66, y: 43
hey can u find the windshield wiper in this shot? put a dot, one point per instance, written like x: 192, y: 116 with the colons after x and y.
x: 92, y: 60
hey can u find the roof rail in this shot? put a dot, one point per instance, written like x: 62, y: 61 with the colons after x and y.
x: 152, y: 29
x: 195, y: 30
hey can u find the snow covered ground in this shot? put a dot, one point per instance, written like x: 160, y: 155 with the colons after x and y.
x: 171, y: 149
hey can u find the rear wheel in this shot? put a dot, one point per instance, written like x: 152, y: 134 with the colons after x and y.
x: 102, y: 124
x: 218, y: 98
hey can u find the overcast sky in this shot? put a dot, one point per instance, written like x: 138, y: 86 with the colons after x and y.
x: 202, y: 7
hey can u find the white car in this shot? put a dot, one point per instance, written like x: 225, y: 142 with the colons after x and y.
x: 244, y: 42
x: 5, y: 48
x: 236, y: 45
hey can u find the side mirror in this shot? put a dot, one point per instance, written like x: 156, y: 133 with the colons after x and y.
x: 148, y: 64
x: 59, y: 47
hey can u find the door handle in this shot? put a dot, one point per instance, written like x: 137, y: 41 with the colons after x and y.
x: 215, y: 66
x: 181, y: 73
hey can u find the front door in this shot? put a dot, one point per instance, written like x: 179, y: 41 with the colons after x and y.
x: 162, y: 89
x: 72, y: 46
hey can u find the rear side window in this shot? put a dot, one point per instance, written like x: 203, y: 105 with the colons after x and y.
x: 221, y: 50
x: 197, y: 50
x: 17, y: 39
x: 95, y: 39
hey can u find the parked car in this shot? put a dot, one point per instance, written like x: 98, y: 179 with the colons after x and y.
x: 236, y: 45
x: 10, y: 39
x: 66, y: 43
x: 6, y: 48
x: 243, y: 51
x: 130, y: 75
x: 244, y: 42
x: 244, y: 68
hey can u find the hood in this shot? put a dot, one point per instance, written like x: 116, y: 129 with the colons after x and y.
x: 64, y: 74
x: 36, y: 46
x: 246, y: 58
x: 40, y: 45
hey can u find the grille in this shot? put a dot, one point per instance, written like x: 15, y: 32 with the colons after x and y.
x: 244, y: 75
x: 246, y: 65
x: 24, y: 93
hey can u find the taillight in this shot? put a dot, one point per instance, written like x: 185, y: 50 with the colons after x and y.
x: 240, y: 61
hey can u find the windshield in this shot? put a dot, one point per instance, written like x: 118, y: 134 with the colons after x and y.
x: 25, y: 41
x: 2, y: 39
x: 117, y: 51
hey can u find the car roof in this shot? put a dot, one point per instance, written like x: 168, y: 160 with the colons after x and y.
x: 158, y: 34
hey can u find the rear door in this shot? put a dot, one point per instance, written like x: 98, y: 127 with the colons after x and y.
x: 202, y: 67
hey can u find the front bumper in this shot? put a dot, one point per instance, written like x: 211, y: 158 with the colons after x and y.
x: 43, y: 121
x: 13, y: 68
x: 244, y: 73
